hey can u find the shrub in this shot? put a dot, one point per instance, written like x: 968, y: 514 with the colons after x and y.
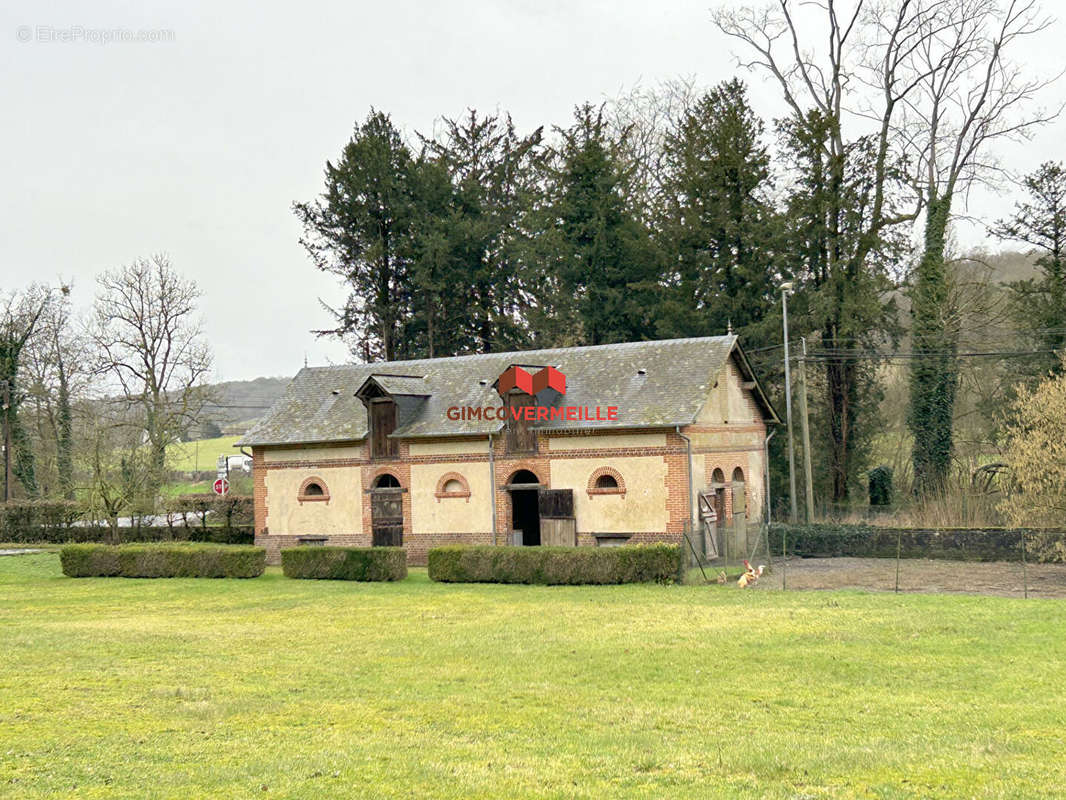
x: 23, y: 519
x: 182, y: 560
x: 881, y: 486
x: 345, y: 563
x: 243, y: 534
x: 653, y: 563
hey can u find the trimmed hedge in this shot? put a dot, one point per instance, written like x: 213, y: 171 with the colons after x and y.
x: 828, y: 540
x: 345, y: 563
x: 651, y: 563
x: 162, y: 561
x: 238, y: 534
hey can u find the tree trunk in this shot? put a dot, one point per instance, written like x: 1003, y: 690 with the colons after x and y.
x: 934, y: 367
x: 64, y: 437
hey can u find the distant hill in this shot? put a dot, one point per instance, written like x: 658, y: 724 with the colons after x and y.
x: 236, y: 405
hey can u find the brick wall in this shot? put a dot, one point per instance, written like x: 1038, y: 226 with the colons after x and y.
x: 674, y: 454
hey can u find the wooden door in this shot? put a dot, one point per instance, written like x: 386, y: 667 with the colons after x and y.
x: 521, y: 438
x: 382, y: 423
x: 558, y: 525
x: 386, y: 517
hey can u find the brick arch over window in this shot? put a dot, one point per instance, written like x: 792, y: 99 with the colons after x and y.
x: 526, y: 466
x: 452, y: 478
x: 379, y: 473
x: 601, y: 476
x: 313, y: 489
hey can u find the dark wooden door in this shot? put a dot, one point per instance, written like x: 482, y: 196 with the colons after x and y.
x: 386, y: 517
x: 556, y: 503
x: 382, y: 423
x: 521, y: 438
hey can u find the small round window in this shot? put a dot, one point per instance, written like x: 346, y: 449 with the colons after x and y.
x: 313, y: 490
x: 453, y: 486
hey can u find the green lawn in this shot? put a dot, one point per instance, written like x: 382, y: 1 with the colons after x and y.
x: 301, y: 689
x: 200, y: 455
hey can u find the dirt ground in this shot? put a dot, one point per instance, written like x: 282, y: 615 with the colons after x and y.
x: 1002, y: 578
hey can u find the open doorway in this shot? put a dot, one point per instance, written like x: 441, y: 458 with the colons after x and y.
x: 525, y: 513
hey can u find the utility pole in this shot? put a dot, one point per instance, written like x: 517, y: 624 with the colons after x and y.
x: 6, y: 388
x: 794, y: 513
x: 805, y: 433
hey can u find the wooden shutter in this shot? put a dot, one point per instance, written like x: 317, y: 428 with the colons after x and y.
x: 520, y: 436
x: 382, y: 423
x: 556, y: 503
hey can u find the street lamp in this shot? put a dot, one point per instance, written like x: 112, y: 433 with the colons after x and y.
x: 786, y: 287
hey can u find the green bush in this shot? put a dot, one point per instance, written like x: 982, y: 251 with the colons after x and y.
x: 38, y: 520
x: 830, y: 540
x: 881, y: 486
x: 652, y: 563
x: 237, y: 534
x: 180, y: 560
x: 345, y: 563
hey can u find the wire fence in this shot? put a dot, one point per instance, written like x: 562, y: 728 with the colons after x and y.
x: 1020, y: 563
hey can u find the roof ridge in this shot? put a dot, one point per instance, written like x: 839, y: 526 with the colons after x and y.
x: 503, y: 353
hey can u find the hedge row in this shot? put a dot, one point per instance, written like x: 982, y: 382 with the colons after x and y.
x: 829, y: 540
x: 243, y: 534
x: 60, y: 521
x: 653, y: 563
x: 345, y: 563
x: 162, y: 561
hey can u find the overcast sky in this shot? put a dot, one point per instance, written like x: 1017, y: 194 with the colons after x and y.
x: 198, y: 144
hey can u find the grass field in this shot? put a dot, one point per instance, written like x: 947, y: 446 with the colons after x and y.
x: 303, y: 689
x: 201, y: 455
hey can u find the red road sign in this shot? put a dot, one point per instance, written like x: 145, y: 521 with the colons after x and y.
x: 221, y: 486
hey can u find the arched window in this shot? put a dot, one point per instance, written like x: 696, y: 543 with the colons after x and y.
x: 606, y: 480
x: 313, y: 489
x: 523, y: 476
x: 739, y: 493
x: 386, y: 481
x: 452, y: 484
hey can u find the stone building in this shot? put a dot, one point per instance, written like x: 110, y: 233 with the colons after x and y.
x: 593, y: 446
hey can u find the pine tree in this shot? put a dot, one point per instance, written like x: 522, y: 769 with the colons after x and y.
x: 606, y: 260
x: 1040, y: 303
x: 480, y: 243
x: 718, y: 226
x: 359, y: 230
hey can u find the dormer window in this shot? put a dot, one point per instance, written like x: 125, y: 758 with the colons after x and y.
x: 521, y: 438
x: 382, y: 417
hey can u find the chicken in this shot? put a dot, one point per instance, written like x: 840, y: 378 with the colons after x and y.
x: 751, y: 575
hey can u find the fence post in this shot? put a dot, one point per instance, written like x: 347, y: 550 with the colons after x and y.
x: 899, y: 550
x: 1025, y: 567
x: 784, y: 558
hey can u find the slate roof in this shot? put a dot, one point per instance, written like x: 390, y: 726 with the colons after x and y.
x: 653, y: 384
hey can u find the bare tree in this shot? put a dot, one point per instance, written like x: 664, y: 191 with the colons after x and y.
x: 151, y: 343
x: 57, y: 371
x: 853, y: 184
x: 929, y: 85
x: 968, y: 96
